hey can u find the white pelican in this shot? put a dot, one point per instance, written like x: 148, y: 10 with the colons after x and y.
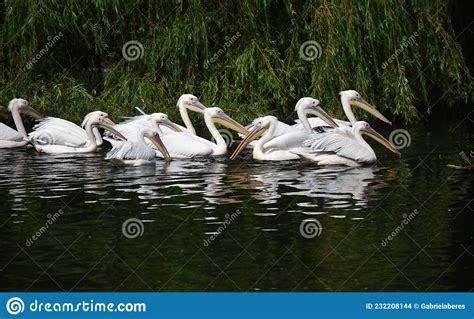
x: 55, y: 135
x: 344, y: 145
x: 278, y: 148
x: 137, y: 152
x: 185, y: 145
x: 349, y: 98
x: 9, y: 138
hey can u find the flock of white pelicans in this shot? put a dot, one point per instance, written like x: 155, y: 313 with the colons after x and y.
x: 141, y: 139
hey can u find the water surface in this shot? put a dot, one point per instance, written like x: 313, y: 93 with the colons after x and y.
x: 221, y: 225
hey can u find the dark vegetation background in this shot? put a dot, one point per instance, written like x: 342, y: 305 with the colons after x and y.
x: 260, y: 73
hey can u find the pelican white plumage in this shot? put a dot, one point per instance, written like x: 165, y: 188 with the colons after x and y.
x: 185, y: 145
x: 283, y: 147
x: 10, y: 138
x: 131, y: 127
x: 55, y: 135
x: 186, y: 102
x: 349, y: 98
x: 345, y: 145
x: 138, y: 152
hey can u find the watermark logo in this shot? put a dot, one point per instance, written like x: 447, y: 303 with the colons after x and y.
x: 133, y: 228
x: 227, y: 136
x: 229, y: 41
x: 229, y: 219
x: 410, y: 41
x: 132, y: 50
x: 310, y: 50
x: 52, y: 40
x: 310, y: 228
x: 400, y: 138
x: 407, y: 218
x: 52, y: 218
x: 15, y: 306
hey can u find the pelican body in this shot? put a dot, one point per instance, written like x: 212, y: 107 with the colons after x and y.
x: 345, y: 145
x: 10, y: 138
x: 138, y: 152
x: 57, y: 136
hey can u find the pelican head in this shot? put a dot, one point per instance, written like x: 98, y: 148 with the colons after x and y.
x: 354, y: 98
x: 309, y: 105
x: 191, y: 102
x: 101, y: 119
x: 154, y: 137
x: 259, y: 127
x: 23, y: 106
x: 218, y: 116
x: 366, y: 129
x: 96, y: 116
x: 162, y: 119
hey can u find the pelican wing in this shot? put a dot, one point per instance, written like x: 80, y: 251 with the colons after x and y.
x: 287, y: 141
x: 128, y: 150
x: 340, y: 141
x: 185, y: 145
x: 56, y: 131
x: 130, y: 127
x: 317, y: 122
x: 9, y: 134
x: 280, y: 129
x: 167, y: 130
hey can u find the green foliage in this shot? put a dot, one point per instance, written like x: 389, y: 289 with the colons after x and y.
x: 258, y: 69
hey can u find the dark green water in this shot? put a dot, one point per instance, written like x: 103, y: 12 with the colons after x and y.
x: 182, y: 204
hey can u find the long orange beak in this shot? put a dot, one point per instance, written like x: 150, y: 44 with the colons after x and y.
x: 363, y: 104
x: 254, y: 134
x: 382, y: 140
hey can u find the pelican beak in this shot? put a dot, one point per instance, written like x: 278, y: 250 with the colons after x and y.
x: 227, y: 121
x: 322, y: 114
x: 382, y: 140
x: 106, y: 126
x: 108, y: 121
x: 249, y: 127
x: 197, y: 107
x: 156, y: 140
x: 256, y: 132
x: 363, y: 104
x: 32, y: 112
x: 170, y: 125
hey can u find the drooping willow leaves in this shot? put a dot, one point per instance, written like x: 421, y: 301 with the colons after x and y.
x: 244, y: 56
